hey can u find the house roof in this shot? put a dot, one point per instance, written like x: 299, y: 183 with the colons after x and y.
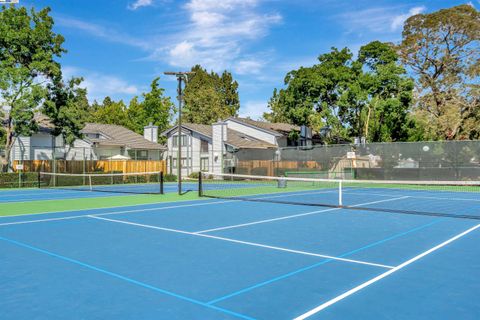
x: 276, y: 128
x: 234, y: 138
x: 119, y: 136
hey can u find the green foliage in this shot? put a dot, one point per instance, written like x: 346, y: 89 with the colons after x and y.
x: 170, y: 178
x: 18, y: 180
x: 442, y: 49
x: 209, y: 97
x: 155, y: 108
x: 367, y: 97
x: 68, y: 108
x: 110, y: 112
x: 194, y: 175
x: 28, y: 47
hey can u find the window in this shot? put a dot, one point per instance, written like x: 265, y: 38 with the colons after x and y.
x: 204, y: 164
x: 203, y: 145
x: 184, y: 141
x: 138, y: 154
x: 184, y: 162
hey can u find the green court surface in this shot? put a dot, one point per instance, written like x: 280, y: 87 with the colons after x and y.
x: 45, y: 206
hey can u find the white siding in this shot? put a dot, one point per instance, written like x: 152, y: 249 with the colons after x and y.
x: 192, y: 152
x: 42, y: 146
x: 219, y: 136
x: 21, y: 149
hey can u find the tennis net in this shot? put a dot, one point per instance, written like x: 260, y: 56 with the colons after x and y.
x: 136, y: 183
x: 458, y: 199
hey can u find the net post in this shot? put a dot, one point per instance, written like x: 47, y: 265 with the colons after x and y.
x: 340, y: 195
x: 161, y: 181
x: 200, y: 184
x: 39, y: 182
x: 90, y: 182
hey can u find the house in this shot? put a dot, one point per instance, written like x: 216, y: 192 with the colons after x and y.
x: 220, y: 146
x: 100, y: 141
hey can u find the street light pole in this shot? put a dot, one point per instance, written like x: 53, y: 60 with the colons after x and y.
x: 181, y: 76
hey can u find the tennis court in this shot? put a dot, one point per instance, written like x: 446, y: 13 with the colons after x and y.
x: 249, y: 250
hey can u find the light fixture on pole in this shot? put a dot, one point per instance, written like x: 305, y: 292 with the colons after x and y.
x: 181, y: 77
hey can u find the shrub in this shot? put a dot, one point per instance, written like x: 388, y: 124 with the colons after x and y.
x: 194, y: 175
x: 170, y: 178
x: 18, y: 180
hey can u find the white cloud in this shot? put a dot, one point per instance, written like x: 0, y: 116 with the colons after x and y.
x: 253, y: 109
x: 379, y: 20
x: 101, y: 85
x: 216, y: 35
x: 398, y: 21
x: 248, y: 66
x: 140, y: 3
x: 102, y: 32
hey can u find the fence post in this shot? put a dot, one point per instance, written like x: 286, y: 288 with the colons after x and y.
x: 200, y: 184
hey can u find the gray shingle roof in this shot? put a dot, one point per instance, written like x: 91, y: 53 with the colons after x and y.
x: 234, y: 138
x: 119, y: 136
x: 282, y: 128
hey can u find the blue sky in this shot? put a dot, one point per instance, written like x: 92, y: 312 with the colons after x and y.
x: 120, y: 46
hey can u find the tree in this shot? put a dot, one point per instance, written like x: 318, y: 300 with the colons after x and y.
x: 209, y: 97
x: 155, y: 108
x: 442, y: 49
x: 367, y: 97
x: 110, y: 112
x: 67, y: 108
x: 389, y: 94
x: 28, y: 47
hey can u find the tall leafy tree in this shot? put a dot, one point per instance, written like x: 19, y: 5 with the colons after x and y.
x: 442, y: 49
x: 110, y: 112
x: 155, y: 108
x: 28, y: 47
x: 209, y: 97
x: 369, y: 96
x: 67, y: 108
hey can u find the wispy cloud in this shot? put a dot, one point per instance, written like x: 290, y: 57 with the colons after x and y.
x: 398, y: 21
x: 101, y: 85
x: 379, y: 19
x: 140, y: 3
x: 217, y: 33
x: 100, y: 31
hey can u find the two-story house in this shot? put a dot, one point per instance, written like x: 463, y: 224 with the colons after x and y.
x: 218, y: 147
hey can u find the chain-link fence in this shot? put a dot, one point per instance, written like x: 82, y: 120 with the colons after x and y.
x: 26, y: 161
x: 447, y: 160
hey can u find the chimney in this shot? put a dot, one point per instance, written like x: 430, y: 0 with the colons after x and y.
x: 219, y: 137
x: 150, y: 133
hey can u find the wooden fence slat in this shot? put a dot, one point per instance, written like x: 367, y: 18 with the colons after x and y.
x: 78, y: 166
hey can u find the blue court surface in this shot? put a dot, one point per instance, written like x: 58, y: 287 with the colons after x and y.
x: 230, y: 259
x: 39, y: 194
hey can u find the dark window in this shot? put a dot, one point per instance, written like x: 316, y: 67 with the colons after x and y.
x: 203, y: 145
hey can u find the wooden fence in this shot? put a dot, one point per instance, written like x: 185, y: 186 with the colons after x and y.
x: 79, y: 166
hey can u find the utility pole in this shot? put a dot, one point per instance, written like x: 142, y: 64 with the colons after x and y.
x: 181, y: 77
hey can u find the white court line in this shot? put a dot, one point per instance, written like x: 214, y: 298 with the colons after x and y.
x: 410, y: 196
x: 294, y: 216
x: 241, y: 242
x: 40, y: 220
x: 383, y: 275
x: 115, y: 212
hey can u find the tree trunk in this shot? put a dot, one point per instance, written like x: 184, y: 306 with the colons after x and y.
x: 6, y: 165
